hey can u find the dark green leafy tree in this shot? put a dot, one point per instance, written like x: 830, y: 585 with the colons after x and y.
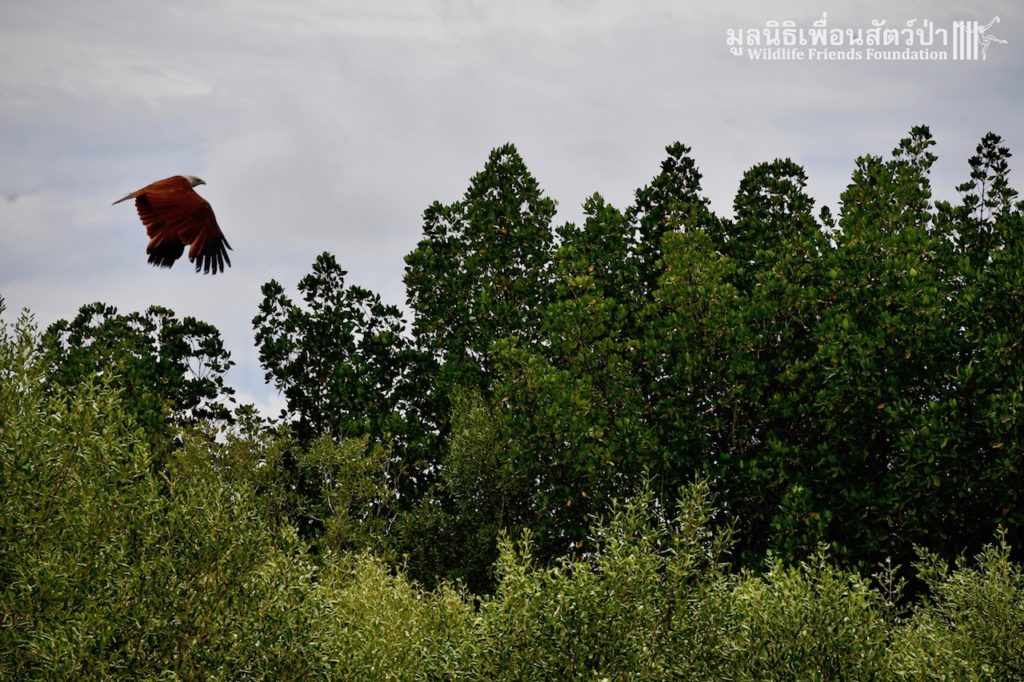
x: 774, y: 251
x: 883, y: 362
x: 350, y: 377
x: 984, y: 425
x: 575, y: 409
x: 696, y: 350
x: 572, y: 409
x: 171, y: 370
x: 671, y: 202
x: 452, y: 530
x: 844, y: 380
x: 482, y: 270
x: 338, y: 359
x: 986, y: 198
x: 846, y: 393
x: 480, y: 274
x: 727, y: 331
x: 597, y: 257
x: 773, y: 217
x: 896, y: 440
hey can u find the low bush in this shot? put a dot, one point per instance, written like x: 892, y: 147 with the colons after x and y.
x: 115, y: 565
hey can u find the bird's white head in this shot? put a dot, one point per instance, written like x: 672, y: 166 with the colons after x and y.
x: 194, y: 180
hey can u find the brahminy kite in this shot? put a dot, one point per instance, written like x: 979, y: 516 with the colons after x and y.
x: 174, y: 215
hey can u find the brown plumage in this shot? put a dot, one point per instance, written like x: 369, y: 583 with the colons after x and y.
x: 174, y: 215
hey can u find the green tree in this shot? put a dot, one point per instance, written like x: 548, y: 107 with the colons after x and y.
x: 339, y: 359
x: 671, y: 202
x: 847, y: 381
x: 860, y: 394
x: 482, y: 270
x: 884, y: 363
x: 480, y: 274
x: 574, y: 409
x: 171, y: 370
x: 571, y: 409
x: 981, y: 427
x: 355, y: 443
x: 452, y: 531
x: 111, y: 568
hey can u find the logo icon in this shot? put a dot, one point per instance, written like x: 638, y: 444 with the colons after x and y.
x: 968, y: 36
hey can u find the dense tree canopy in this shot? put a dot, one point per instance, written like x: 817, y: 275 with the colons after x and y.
x: 851, y: 380
x: 661, y: 442
x: 171, y: 370
x: 110, y: 568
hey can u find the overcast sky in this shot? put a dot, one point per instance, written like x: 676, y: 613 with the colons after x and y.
x: 331, y: 124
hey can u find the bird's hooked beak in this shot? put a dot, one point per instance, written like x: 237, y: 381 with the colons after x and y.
x: 195, y: 181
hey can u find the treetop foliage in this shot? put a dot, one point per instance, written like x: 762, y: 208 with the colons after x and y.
x: 846, y: 388
x: 113, y: 567
x: 844, y: 380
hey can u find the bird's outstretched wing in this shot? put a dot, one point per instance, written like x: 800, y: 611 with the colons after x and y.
x: 174, y: 215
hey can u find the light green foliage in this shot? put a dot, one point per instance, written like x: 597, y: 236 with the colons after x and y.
x: 972, y: 627
x: 382, y: 627
x: 646, y: 604
x: 108, y: 569
x: 336, y: 493
x: 111, y: 569
x: 810, y: 622
x: 655, y: 602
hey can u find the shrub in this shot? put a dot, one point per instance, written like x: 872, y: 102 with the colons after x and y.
x: 972, y: 626
x: 109, y: 568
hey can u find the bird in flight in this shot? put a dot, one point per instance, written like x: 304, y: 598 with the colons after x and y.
x: 174, y: 215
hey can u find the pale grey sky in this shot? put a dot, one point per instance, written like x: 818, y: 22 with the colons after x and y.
x: 331, y: 124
